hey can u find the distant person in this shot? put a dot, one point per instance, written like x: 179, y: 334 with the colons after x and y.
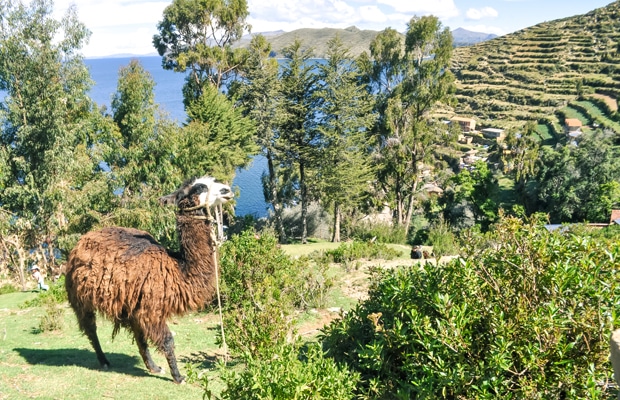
x: 36, y: 275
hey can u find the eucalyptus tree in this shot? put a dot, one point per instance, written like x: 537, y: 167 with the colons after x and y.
x: 218, y: 138
x: 196, y: 36
x: 298, y: 133
x: 410, y: 79
x: 133, y: 112
x: 46, y: 117
x: 258, y: 92
x: 344, y: 171
x: 470, y: 197
x: 579, y: 182
x: 140, y: 152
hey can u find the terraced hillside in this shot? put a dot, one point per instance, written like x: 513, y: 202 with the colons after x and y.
x: 541, y: 72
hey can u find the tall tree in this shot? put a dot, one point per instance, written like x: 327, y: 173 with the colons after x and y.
x: 259, y: 93
x: 197, y: 36
x: 579, y: 182
x: 344, y: 118
x: 46, y: 115
x: 409, y: 83
x: 133, y: 108
x: 218, y: 138
x: 298, y: 128
x: 140, y: 153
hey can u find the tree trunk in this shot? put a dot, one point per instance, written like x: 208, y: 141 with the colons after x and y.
x: 336, y: 235
x: 411, y: 201
x: 304, y: 204
x: 274, y: 200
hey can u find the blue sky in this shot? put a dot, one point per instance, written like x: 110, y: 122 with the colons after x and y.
x: 127, y: 26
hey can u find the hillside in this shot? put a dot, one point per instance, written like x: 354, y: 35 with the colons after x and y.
x: 355, y: 39
x: 539, y: 72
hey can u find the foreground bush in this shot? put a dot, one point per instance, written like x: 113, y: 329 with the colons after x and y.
x: 262, y: 287
x: 287, y: 376
x: 525, y: 314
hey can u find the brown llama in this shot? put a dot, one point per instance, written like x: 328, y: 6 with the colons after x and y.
x: 126, y: 276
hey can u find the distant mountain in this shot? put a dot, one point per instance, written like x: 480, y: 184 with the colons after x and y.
x: 463, y: 37
x: 355, y: 39
x: 545, y: 72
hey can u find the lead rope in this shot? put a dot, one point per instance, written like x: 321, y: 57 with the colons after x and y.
x: 217, y: 278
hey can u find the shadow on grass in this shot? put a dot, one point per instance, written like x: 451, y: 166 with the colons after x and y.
x: 204, y: 360
x: 119, y: 363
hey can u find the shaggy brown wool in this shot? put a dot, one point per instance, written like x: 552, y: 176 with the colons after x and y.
x: 125, y: 275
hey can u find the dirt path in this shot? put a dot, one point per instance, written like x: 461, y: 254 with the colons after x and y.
x: 354, y: 285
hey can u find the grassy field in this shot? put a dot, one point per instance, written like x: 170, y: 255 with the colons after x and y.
x: 62, y: 364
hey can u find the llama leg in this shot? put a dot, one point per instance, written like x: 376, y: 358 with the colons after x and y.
x: 88, y: 325
x: 143, y: 347
x: 167, y: 348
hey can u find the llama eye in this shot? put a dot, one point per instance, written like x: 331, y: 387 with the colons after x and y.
x: 224, y: 191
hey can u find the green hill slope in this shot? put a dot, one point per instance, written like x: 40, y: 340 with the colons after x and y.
x: 532, y: 73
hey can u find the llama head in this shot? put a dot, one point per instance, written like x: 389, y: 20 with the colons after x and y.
x: 199, y: 192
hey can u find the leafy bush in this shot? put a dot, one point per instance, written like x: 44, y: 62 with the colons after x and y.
x: 51, y: 301
x: 289, y: 377
x: 347, y: 252
x: 443, y: 240
x: 525, y: 314
x: 382, y: 233
x: 53, y: 319
x: 55, y: 295
x: 8, y: 288
x: 262, y: 287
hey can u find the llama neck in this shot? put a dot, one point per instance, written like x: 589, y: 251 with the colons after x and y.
x: 196, y: 246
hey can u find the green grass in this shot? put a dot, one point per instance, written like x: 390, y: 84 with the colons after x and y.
x: 299, y: 249
x: 506, y: 195
x: 62, y: 364
x: 543, y: 132
x: 596, y: 114
x: 571, y: 112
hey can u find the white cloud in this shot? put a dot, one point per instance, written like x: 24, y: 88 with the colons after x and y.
x: 479, y: 13
x: 117, y: 26
x: 440, y: 8
x: 289, y: 15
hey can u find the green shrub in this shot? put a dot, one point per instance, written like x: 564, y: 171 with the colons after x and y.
x: 287, y: 376
x: 51, y: 301
x: 443, y: 240
x: 55, y: 295
x: 262, y: 287
x: 8, y: 288
x: 53, y: 318
x: 382, y: 233
x: 527, y: 315
x: 356, y: 250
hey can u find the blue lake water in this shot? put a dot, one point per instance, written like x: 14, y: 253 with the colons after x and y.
x: 169, y: 97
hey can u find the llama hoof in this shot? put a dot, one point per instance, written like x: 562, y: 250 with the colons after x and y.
x: 181, y: 381
x: 158, y: 371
